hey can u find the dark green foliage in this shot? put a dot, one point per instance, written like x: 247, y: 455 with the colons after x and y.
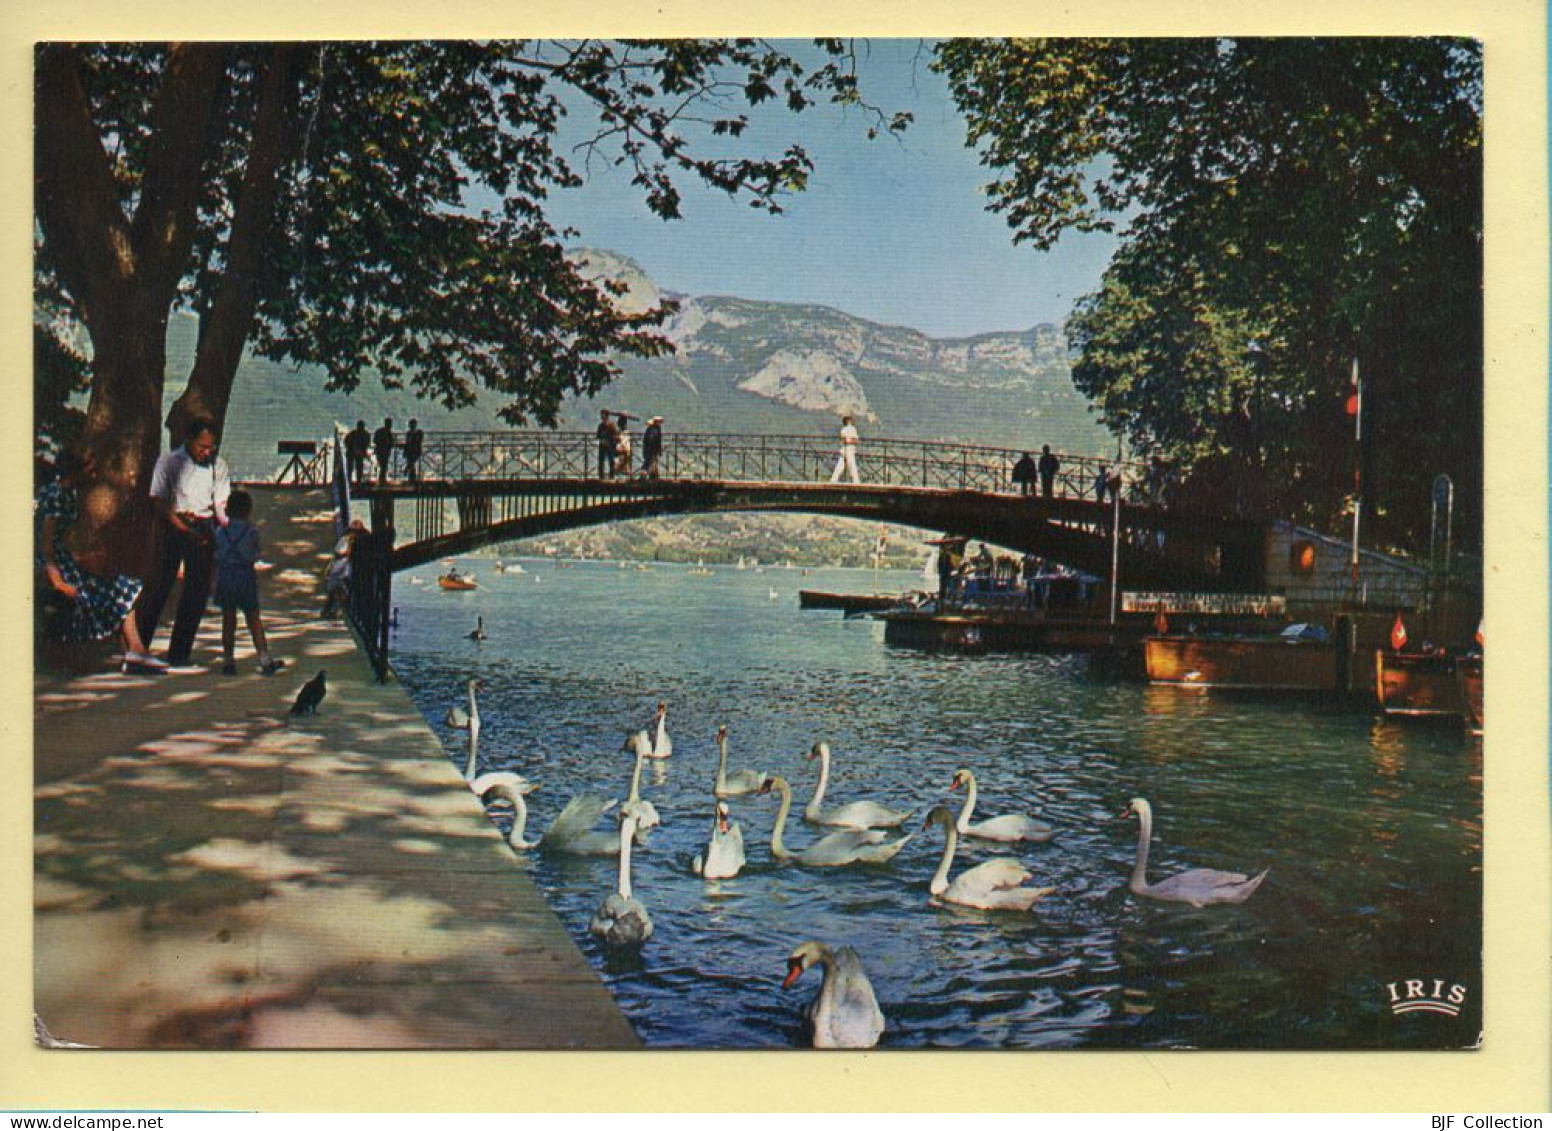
x: 330, y: 196
x: 1286, y: 205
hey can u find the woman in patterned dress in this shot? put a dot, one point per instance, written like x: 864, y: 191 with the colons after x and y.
x: 95, y: 606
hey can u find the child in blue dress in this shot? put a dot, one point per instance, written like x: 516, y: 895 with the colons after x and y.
x: 237, y: 585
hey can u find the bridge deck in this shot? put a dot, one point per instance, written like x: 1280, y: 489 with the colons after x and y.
x: 1204, y: 551
x: 211, y: 874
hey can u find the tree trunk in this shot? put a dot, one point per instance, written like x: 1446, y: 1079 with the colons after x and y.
x: 225, y: 325
x: 122, y: 434
x: 123, y: 272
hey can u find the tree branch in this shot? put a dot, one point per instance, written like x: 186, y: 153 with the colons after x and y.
x: 163, y: 229
x: 75, y: 196
x: 230, y: 317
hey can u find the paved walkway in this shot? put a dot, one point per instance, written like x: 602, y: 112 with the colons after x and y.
x: 212, y: 874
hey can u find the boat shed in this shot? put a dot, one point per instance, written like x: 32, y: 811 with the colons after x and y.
x: 1314, y: 572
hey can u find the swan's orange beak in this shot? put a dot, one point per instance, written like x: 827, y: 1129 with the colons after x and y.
x: 1129, y: 811
x: 955, y: 783
x: 722, y: 824
x: 794, y: 972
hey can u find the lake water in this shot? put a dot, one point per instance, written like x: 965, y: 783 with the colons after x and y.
x: 1372, y: 831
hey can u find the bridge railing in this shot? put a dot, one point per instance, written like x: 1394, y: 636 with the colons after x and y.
x: 462, y: 456
x: 369, y: 586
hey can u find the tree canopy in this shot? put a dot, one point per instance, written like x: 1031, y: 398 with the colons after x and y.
x: 1284, y: 205
x: 369, y: 208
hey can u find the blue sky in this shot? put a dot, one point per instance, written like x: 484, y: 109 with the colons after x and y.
x: 893, y: 231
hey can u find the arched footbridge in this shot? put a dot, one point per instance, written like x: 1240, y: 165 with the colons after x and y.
x: 471, y: 490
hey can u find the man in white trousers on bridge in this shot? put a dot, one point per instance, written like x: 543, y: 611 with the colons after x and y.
x: 847, y: 459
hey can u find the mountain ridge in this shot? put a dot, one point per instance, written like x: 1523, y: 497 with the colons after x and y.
x: 741, y: 365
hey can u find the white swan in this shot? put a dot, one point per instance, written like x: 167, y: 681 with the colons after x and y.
x: 644, y: 811
x: 724, y: 857
x: 739, y: 781
x: 468, y: 720
x: 996, y: 885
x: 1013, y: 827
x: 571, y: 833
x: 1199, y: 886
x: 844, y: 1014
x: 622, y: 921
x: 856, y: 815
x: 513, y: 788
x: 835, y: 850
x: 479, y: 630
x: 662, y: 745
x: 458, y: 718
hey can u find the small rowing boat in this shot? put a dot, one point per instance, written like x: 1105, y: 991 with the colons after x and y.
x: 454, y: 580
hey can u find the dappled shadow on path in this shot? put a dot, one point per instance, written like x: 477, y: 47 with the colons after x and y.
x: 211, y: 872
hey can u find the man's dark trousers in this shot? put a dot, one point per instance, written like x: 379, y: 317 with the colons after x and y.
x: 195, y: 553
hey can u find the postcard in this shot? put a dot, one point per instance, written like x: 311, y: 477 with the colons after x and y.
x: 890, y: 544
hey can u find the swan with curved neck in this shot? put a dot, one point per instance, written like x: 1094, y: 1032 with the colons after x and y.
x: 996, y: 885
x: 739, y: 781
x: 857, y: 814
x: 662, y: 744
x: 1008, y: 829
x: 1199, y: 886
x: 623, y: 921
x: 644, y: 811
x: 844, y: 1014
x: 724, y: 856
x: 837, y: 849
x: 570, y: 834
x: 512, y: 788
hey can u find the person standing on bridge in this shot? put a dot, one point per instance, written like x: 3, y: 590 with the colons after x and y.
x: 846, y: 460
x: 414, y: 445
x: 382, y: 445
x: 1024, y: 474
x: 607, y: 435
x: 622, y: 446
x: 651, y: 447
x: 1049, y: 466
x: 357, y: 442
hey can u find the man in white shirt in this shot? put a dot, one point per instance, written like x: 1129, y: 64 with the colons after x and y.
x: 189, y: 489
x: 847, y: 460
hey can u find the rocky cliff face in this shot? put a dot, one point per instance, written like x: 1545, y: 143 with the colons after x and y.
x: 743, y: 365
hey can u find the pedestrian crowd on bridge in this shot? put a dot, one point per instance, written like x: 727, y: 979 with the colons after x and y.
x: 621, y: 455
x: 616, y: 448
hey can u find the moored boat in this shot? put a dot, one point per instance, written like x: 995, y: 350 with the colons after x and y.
x: 1418, y: 684
x: 848, y: 603
x: 1300, y: 658
x: 1468, y: 674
